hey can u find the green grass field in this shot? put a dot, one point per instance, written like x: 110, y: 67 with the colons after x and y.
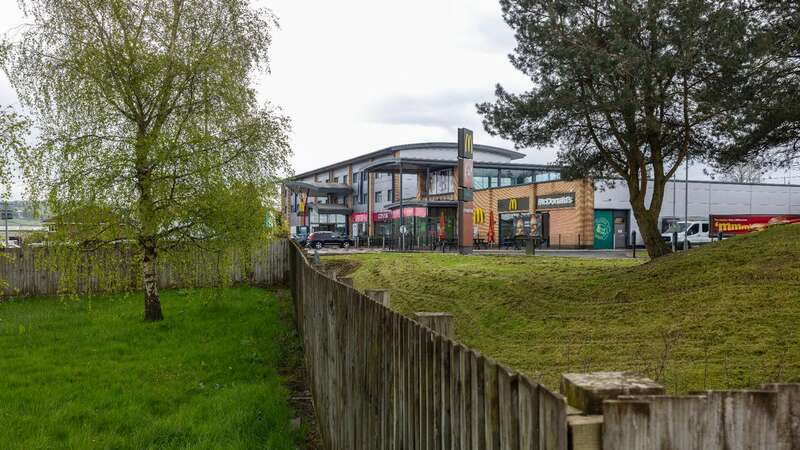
x: 723, y: 316
x: 88, y: 373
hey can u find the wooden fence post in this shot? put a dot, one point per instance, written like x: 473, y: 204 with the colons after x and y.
x: 382, y: 296
x: 442, y: 323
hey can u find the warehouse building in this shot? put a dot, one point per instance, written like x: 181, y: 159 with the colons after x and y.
x: 412, y: 188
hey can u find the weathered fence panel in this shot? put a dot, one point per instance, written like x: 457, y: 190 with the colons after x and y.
x: 28, y: 271
x: 715, y: 420
x: 383, y: 381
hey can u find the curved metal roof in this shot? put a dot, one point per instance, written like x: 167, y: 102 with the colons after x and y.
x: 388, y: 151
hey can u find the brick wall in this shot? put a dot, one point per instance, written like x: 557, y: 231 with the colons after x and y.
x: 569, y: 223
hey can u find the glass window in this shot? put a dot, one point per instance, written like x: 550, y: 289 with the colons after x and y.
x: 390, y: 195
x: 441, y: 182
x: 485, y: 178
x: 378, y: 197
x: 705, y: 228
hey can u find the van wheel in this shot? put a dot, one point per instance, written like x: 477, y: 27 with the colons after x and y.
x: 345, y: 244
x: 318, y: 245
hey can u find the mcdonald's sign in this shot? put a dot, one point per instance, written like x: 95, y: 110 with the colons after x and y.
x: 301, y: 207
x: 478, y: 216
x: 465, y: 143
x: 514, y: 204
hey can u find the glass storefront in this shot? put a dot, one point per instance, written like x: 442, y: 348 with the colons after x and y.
x: 514, y: 226
x: 486, y: 178
x: 328, y: 222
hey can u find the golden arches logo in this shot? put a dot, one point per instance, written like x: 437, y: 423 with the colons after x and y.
x: 468, y: 143
x: 512, y: 204
x: 478, y: 216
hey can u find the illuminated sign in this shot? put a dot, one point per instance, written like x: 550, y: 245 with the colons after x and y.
x: 464, y: 143
x: 555, y: 201
x: 514, y: 204
x: 478, y: 216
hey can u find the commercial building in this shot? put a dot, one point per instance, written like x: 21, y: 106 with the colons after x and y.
x: 412, y: 188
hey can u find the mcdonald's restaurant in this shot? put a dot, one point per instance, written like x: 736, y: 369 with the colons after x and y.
x: 411, y: 192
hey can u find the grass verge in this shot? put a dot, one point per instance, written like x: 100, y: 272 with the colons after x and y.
x: 88, y: 373
x: 723, y: 316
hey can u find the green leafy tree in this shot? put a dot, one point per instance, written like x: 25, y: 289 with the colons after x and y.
x: 149, y: 129
x: 13, y: 131
x: 760, y: 83
x: 619, y: 86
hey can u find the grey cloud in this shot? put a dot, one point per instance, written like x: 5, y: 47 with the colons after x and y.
x: 492, y: 35
x: 448, y: 110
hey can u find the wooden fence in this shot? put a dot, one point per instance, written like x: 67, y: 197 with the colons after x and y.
x: 31, y: 271
x: 717, y: 420
x: 383, y: 381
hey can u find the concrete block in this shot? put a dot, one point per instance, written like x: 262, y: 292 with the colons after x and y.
x: 586, y: 391
x: 585, y: 432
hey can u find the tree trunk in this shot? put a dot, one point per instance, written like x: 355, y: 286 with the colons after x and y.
x: 152, y: 302
x: 649, y: 229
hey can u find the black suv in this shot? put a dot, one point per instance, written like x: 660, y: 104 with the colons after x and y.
x: 320, y: 239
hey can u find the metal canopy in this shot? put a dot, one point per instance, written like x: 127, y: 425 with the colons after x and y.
x: 424, y: 203
x: 331, y: 208
x: 315, y: 187
x: 393, y: 165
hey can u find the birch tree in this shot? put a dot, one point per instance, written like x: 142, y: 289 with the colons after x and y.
x: 149, y: 127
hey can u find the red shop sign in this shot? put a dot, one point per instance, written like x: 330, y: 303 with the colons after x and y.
x: 742, y: 224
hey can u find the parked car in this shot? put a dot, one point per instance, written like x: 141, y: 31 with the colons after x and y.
x: 301, y: 239
x: 321, y: 239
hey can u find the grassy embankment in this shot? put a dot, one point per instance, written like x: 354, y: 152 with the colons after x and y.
x: 723, y: 316
x: 89, y: 373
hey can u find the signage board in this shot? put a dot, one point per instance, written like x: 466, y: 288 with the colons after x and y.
x: 465, y: 239
x: 361, y: 217
x: 382, y: 216
x: 465, y: 173
x: 514, y: 204
x: 555, y: 201
x: 410, y: 211
x: 743, y: 224
x: 464, y: 143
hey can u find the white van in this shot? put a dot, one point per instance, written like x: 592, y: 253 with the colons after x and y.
x: 697, y: 232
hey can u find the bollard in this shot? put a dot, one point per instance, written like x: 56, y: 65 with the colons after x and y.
x: 720, y: 235
x: 316, y: 256
x: 674, y: 241
x: 530, y: 248
x: 634, y: 243
x: 439, y: 322
x: 382, y: 296
x: 579, y: 241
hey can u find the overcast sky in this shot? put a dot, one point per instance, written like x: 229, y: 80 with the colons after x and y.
x: 359, y: 75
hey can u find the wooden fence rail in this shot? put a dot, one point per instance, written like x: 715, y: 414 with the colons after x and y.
x: 28, y: 271
x: 383, y: 381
